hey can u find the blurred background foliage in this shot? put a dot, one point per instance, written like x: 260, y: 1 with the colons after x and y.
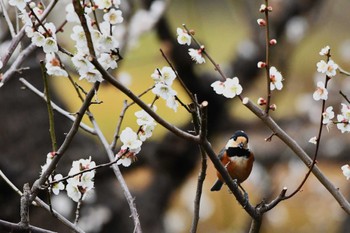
x: 222, y: 26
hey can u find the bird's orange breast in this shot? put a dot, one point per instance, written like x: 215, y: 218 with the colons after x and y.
x: 239, y: 167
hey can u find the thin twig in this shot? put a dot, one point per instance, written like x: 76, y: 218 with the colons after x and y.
x: 38, y: 202
x: 216, y: 65
x: 49, y: 107
x: 294, y: 146
x: 127, y: 194
x: 15, y: 227
x: 199, y: 116
x: 56, y: 107
x: 267, y: 59
x: 7, y: 18
x: 89, y: 170
x: 189, y: 93
x: 344, y: 96
x: 15, y: 41
x: 38, y: 184
x: 108, y: 77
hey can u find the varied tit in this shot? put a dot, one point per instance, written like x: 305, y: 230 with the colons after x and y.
x: 236, y: 158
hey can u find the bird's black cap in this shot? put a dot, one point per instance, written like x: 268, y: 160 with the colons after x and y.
x: 239, y: 133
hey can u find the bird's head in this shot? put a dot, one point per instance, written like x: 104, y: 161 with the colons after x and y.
x: 239, y: 139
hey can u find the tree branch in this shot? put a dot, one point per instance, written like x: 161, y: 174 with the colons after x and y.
x: 294, y: 146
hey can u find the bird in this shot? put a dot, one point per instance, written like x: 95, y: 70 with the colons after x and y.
x: 237, y: 159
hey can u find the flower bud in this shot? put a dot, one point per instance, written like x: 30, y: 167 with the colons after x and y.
x: 273, y: 42
x: 262, y: 8
x: 261, y: 101
x: 261, y: 64
x: 273, y: 107
x: 261, y: 22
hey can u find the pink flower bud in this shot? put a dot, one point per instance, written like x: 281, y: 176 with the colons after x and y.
x: 261, y: 64
x: 269, y: 8
x: 261, y: 22
x: 273, y: 42
x: 273, y: 107
x: 261, y: 101
x: 262, y: 8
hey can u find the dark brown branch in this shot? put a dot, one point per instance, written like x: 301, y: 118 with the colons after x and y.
x: 17, y: 228
x: 109, y: 78
x: 294, y: 146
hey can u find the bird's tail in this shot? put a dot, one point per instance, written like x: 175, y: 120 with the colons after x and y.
x: 217, y: 186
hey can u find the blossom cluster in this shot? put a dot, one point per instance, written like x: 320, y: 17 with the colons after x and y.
x: 230, y: 88
x: 184, y: 38
x: 103, y: 35
x: 132, y: 141
x: 164, y: 79
x: 329, y: 68
x: 77, y: 187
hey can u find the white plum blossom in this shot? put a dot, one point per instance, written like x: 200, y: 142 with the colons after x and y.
x: 50, y: 45
x: 329, y: 68
x: 107, y: 61
x: 37, y: 38
x: 313, y: 140
x: 328, y: 115
x: 49, y: 28
x: 218, y: 87
x: 57, y: 187
x: 321, y: 92
x: 143, y: 118
x: 53, y: 66
x: 108, y: 43
x: 125, y: 161
x: 71, y: 15
x: 73, y: 192
x: 92, y: 76
x: 113, y: 16
x: 324, y: 51
x: 165, y: 75
x: 146, y: 122
x: 343, y: 119
x: 81, y: 63
x: 130, y: 140
x: 276, y: 79
x: 26, y: 19
x: 196, y: 55
x: 49, y: 158
x: 183, y: 37
x: 20, y: 4
x: 146, y: 131
x: 346, y: 171
x: 104, y: 4
x: 131, y: 146
x: 172, y: 103
x: 343, y: 124
x: 230, y: 88
x: 78, y: 186
x: 164, y: 91
x: 78, y: 36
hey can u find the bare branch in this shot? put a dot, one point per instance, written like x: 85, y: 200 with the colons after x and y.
x: 56, y: 107
x: 119, y: 176
x: 294, y: 146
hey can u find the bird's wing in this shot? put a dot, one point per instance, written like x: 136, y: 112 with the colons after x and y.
x: 221, y: 153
